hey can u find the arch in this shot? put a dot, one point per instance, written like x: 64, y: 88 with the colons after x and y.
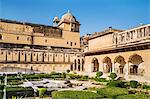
x: 0, y: 36
x: 119, y: 64
x: 107, y: 65
x: 78, y: 64
x: 71, y: 67
x: 95, y: 64
x: 82, y: 64
x: 135, y: 60
x: 75, y: 64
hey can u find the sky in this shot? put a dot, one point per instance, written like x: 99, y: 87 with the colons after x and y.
x: 93, y: 15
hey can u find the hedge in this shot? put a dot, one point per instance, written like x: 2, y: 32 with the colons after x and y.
x: 112, y: 92
x: 117, y: 83
x: 68, y: 94
x: 19, y: 91
x: 133, y: 84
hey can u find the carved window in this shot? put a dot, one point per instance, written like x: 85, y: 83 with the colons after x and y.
x: 122, y: 37
x: 131, y: 36
x: 128, y: 36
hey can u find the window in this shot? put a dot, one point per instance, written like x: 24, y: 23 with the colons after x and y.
x: 45, y: 40
x: 0, y: 36
x: 9, y: 53
x: 28, y: 38
x: 71, y: 44
x: 2, y: 53
x: 75, y: 44
x: 67, y: 42
x: 17, y: 37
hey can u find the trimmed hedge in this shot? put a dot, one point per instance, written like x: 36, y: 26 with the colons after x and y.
x: 133, y: 96
x: 112, y: 92
x: 133, y: 84
x: 42, y: 92
x: 117, y: 83
x: 68, y: 94
x: 100, y: 79
x: 19, y: 91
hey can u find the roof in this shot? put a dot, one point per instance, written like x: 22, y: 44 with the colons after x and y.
x: 110, y: 30
x: 25, y: 23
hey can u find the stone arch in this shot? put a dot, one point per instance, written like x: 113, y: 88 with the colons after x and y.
x: 119, y: 62
x: 135, y: 65
x: 107, y: 65
x: 95, y: 64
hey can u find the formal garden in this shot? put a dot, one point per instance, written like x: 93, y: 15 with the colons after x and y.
x: 111, y: 88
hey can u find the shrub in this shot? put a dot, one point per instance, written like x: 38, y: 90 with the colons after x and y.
x: 133, y: 96
x: 64, y: 75
x: 99, y: 74
x: 1, y: 87
x: 74, y: 76
x: 100, y: 79
x: 42, y: 91
x: 75, y: 95
x: 112, y: 76
x: 112, y: 92
x: 133, y: 84
x: 146, y: 87
x: 117, y: 83
x: 68, y: 71
x: 84, y: 78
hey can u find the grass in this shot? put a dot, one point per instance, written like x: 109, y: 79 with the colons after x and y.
x: 112, y: 92
x: 134, y: 96
x: 75, y: 95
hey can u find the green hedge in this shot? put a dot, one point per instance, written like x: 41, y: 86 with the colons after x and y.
x: 75, y: 95
x: 133, y: 84
x: 100, y: 79
x: 134, y: 96
x: 19, y: 91
x: 112, y: 92
x: 117, y: 83
x: 74, y: 76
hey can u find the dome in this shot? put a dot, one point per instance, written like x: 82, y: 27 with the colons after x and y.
x: 69, y: 17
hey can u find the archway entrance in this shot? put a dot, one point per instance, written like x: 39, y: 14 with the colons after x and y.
x: 95, y: 64
x: 119, y: 64
x: 135, y: 61
x: 107, y: 65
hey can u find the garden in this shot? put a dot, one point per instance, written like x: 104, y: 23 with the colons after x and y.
x: 111, y: 88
